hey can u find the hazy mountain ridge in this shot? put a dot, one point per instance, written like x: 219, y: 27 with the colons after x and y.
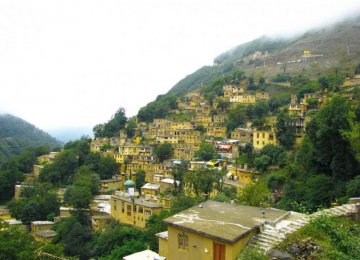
x: 16, y: 135
x: 337, y: 46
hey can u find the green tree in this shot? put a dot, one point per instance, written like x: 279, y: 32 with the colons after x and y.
x: 8, y: 179
x: 62, y: 169
x: 75, y: 237
x: 140, y: 179
x: 117, y: 240
x: 78, y: 196
x: 206, y: 152
x: 262, y: 163
x: 260, y: 111
x: 200, y: 128
x: 178, y: 173
x: 85, y: 177
x: 286, y: 130
x: 333, y: 153
x: 256, y: 194
x: 38, y: 202
x: 201, y: 181
x: 163, y: 151
x: 236, y: 117
x: 182, y: 202
x: 16, y: 243
x: 30, y: 212
x: 353, y: 134
x: 115, y: 124
x: 353, y: 187
x: 324, y: 82
x: 131, y: 127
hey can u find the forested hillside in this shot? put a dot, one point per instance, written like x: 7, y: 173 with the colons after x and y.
x: 17, y: 134
x: 331, y: 49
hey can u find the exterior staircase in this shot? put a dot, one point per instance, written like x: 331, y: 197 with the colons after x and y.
x: 272, y: 235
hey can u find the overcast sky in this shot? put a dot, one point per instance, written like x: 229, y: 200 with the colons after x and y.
x: 74, y: 63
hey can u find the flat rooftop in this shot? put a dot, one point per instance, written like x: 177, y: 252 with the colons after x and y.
x: 224, y: 221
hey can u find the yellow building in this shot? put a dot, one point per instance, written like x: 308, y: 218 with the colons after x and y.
x: 216, y: 131
x: 232, y: 90
x: 47, y: 158
x: 181, y: 125
x: 190, y: 137
x: 167, y: 184
x: 195, y: 165
x: 4, y: 213
x: 243, y: 135
x: 172, y: 139
x: 185, y: 151
x: 150, y: 190
x: 134, y: 211
x: 37, y: 226
x: 45, y: 236
x: 262, y: 95
x: 243, y: 99
x: 100, y: 221
x: 262, y: 138
x: 295, y: 108
x: 111, y: 184
x: 352, y: 81
x: 164, y: 201
x: 97, y: 143
x: 219, y: 118
x: 134, y: 150
x: 213, y: 230
x: 242, y: 174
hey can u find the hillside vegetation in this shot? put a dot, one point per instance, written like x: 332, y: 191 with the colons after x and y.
x: 334, y: 49
x: 16, y: 135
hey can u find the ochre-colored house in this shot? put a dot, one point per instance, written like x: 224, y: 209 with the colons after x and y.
x: 213, y: 230
x: 134, y: 211
x: 262, y: 138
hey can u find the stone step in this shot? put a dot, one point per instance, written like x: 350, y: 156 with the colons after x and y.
x: 288, y: 230
x: 268, y: 240
x: 301, y: 222
x: 258, y: 248
x: 346, y: 208
x: 350, y: 207
x: 297, y: 224
x: 275, y: 235
x: 269, y: 237
x: 263, y: 244
x: 340, y: 211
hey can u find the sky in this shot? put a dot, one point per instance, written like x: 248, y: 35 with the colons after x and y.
x: 74, y: 63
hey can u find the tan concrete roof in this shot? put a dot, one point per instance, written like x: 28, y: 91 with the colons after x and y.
x: 46, y: 233
x: 223, y: 221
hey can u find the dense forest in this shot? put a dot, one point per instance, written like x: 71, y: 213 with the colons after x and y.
x: 17, y: 135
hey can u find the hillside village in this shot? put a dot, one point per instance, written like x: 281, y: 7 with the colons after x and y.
x: 198, y: 152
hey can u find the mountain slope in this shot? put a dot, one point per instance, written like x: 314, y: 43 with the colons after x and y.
x: 333, y: 48
x: 17, y: 135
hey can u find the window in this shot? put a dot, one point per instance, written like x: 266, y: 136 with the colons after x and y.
x: 129, y: 210
x: 114, y: 204
x: 147, y: 212
x: 122, y: 207
x: 141, y: 209
x: 134, y: 208
x: 183, y: 241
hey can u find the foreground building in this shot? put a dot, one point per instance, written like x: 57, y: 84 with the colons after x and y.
x: 213, y: 230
